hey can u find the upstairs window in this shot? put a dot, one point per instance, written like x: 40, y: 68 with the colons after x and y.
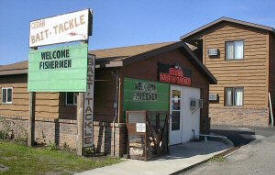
x: 71, y: 98
x: 234, y: 96
x: 234, y: 50
x: 7, y: 95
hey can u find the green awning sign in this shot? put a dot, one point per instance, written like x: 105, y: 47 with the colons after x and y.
x: 62, y: 69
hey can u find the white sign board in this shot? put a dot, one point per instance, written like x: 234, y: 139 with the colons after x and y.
x: 89, y: 105
x: 59, y: 29
x: 140, y: 127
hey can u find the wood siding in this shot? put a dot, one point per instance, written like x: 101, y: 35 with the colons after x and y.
x: 47, y: 104
x: 250, y: 73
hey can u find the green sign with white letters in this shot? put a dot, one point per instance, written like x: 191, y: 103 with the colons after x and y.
x: 62, y: 69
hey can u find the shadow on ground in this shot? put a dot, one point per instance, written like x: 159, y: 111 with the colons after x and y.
x: 238, y: 137
x: 241, y: 136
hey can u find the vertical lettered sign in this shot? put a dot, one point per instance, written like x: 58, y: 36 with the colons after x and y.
x: 89, y: 104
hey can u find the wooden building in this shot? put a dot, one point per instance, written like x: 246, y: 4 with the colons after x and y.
x: 241, y: 56
x: 55, y: 113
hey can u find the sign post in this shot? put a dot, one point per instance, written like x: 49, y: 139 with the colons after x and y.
x: 89, y: 104
x: 80, y: 123
x: 63, y: 69
x: 31, y: 118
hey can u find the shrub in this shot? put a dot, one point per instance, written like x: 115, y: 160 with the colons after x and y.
x: 4, y: 135
x: 53, y: 146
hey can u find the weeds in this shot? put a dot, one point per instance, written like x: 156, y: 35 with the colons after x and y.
x: 218, y: 158
x: 53, y: 146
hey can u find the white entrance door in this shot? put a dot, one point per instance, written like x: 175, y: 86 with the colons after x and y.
x: 184, y: 120
x: 175, y: 115
x: 191, y: 117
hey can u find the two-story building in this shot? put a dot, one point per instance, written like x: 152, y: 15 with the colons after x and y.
x: 241, y: 56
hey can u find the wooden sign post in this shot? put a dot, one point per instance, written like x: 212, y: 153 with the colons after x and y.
x: 31, y: 120
x: 85, y: 111
x: 63, y: 69
x: 88, y: 135
x: 80, y: 123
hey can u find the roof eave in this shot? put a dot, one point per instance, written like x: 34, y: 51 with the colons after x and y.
x: 13, y: 72
x: 227, y: 19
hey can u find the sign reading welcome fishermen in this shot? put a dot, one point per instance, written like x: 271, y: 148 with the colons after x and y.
x: 62, y: 69
x: 59, y: 29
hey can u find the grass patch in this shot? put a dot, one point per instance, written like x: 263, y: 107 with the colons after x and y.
x: 218, y: 158
x: 32, y: 161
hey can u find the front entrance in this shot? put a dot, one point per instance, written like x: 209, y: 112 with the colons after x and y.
x: 176, y: 110
x: 184, y: 114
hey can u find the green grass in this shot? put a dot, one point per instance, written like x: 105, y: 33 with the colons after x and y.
x: 26, y: 160
x: 218, y: 158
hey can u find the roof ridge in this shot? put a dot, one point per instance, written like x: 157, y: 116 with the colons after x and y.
x: 14, y: 63
x: 227, y: 19
x: 243, y: 21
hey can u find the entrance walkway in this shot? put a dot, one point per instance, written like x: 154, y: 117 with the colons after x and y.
x: 181, y: 156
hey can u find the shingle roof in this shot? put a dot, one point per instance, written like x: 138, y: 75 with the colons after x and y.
x: 227, y: 19
x: 15, y: 68
x: 124, y: 52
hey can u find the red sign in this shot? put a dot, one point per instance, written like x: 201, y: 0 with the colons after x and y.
x: 175, y: 75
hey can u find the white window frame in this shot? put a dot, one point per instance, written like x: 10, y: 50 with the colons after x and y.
x: 233, y: 99
x: 234, y: 58
x: 7, y: 88
x: 74, y: 99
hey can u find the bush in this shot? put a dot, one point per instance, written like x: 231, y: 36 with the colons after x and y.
x: 90, y: 151
x: 4, y: 135
x: 53, y: 147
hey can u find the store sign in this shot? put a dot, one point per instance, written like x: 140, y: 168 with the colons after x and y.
x: 59, y: 29
x: 145, y: 91
x: 145, y: 95
x: 62, y: 69
x: 89, y: 104
x: 174, y: 74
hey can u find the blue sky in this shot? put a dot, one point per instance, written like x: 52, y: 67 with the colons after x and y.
x: 125, y: 22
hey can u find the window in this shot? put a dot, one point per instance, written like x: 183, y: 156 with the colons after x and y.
x: 233, y: 96
x: 234, y: 50
x: 7, y: 95
x: 175, y: 109
x: 71, y: 98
